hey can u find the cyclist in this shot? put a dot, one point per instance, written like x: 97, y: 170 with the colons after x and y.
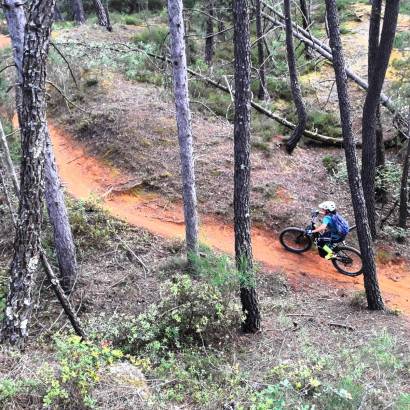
x: 328, y: 230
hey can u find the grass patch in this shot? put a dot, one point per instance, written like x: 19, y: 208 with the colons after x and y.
x: 402, y: 39
x: 92, y: 227
x: 155, y: 35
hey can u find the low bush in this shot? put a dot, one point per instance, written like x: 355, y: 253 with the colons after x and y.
x: 331, y: 164
x: 68, y: 383
x: 199, y: 310
x: 91, y: 226
x: 155, y: 35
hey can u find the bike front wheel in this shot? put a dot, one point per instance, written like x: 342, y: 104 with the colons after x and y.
x: 295, y: 240
x: 348, y: 261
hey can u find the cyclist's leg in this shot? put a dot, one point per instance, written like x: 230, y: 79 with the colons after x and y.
x: 323, y: 245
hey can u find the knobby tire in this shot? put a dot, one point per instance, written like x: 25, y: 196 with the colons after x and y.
x: 294, y: 240
x: 341, y: 265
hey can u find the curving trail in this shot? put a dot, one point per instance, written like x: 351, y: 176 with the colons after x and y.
x: 85, y: 176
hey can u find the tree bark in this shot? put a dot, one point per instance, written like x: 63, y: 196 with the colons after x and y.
x: 183, y: 117
x: 242, y: 220
x: 209, y: 37
x: 378, y: 72
x: 102, y: 15
x: 261, y: 54
x: 294, y: 83
x: 305, y: 24
x: 63, y: 238
x: 33, y: 128
x: 54, y: 197
x: 374, y: 298
x: 78, y: 11
x: 404, y: 186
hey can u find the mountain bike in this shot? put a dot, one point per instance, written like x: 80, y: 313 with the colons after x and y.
x: 346, y: 260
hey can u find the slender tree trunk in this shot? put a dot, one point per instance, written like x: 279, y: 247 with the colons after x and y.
x: 378, y: 72
x: 78, y: 11
x: 102, y: 15
x: 54, y: 197
x: 305, y: 24
x: 7, y: 159
x: 404, y: 187
x: 183, y: 116
x: 374, y: 38
x: 57, y: 14
x: 63, y: 238
x: 294, y: 83
x: 374, y: 298
x: 209, y: 40
x: 242, y: 173
x: 27, y: 243
x: 261, y: 54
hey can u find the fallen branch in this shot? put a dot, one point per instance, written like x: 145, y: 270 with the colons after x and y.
x: 68, y: 64
x: 348, y: 327
x: 133, y: 254
x: 66, y: 98
x: 61, y: 296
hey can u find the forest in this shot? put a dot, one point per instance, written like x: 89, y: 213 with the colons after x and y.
x: 205, y: 204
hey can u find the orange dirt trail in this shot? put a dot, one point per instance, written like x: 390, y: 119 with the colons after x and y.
x: 85, y: 176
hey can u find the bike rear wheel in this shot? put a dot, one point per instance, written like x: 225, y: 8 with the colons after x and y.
x: 348, y: 261
x: 295, y: 240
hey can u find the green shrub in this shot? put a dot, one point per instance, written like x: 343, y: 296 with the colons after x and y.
x: 131, y: 20
x: 90, y: 225
x: 192, y: 310
x: 402, y: 39
x: 155, y: 35
x: 331, y: 164
x: 388, y: 178
x: 79, y: 363
x: 206, y: 379
x: 325, y: 123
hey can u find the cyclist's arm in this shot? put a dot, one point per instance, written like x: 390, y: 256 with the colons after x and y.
x: 320, y: 229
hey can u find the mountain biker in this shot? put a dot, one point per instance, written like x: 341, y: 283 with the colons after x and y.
x: 329, y: 233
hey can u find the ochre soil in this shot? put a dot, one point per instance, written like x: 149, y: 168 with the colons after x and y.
x: 85, y: 176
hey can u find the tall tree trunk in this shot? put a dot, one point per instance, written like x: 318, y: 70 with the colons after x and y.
x: 294, y: 83
x: 183, y: 116
x: 374, y: 298
x: 404, y: 187
x: 305, y: 24
x: 57, y: 14
x: 242, y: 173
x: 102, y: 15
x: 374, y: 38
x: 57, y: 211
x: 378, y: 72
x: 27, y: 243
x: 78, y: 11
x: 54, y: 197
x: 209, y: 37
x: 261, y: 54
